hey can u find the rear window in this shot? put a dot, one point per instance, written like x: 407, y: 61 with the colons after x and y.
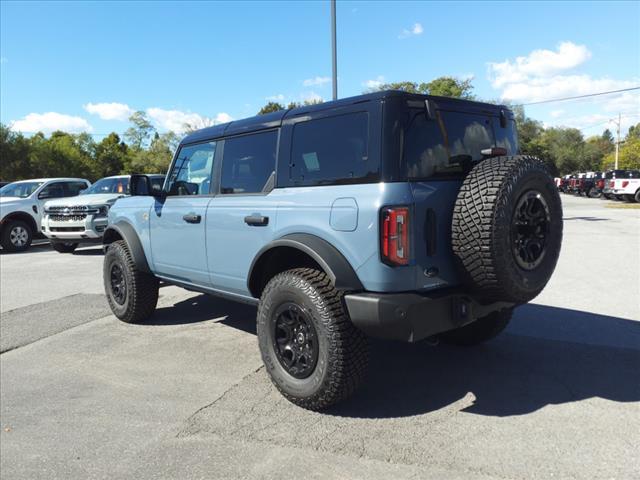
x: 332, y: 151
x: 447, y: 146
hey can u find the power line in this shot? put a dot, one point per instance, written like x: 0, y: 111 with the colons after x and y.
x: 578, y: 96
x: 609, y: 121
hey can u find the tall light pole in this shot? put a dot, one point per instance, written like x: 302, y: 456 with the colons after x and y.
x: 617, y: 142
x: 334, y: 52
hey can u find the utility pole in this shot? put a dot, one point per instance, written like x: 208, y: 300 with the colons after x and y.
x: 617, y: 141
x: 334, y: 53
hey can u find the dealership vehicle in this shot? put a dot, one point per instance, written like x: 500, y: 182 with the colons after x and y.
x: 390, y: 215
x: 67, y: 222
x: 628, y: 187
x: 21, y: 206
x: 588, y: 186
x: 610, y: 176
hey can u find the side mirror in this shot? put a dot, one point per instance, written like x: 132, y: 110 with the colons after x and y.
x: 140, y: 185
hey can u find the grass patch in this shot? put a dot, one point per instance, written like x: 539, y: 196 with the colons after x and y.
x: 631, y: 206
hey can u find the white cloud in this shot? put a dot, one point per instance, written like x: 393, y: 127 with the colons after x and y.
x: 176, y: 120
x: 109, y: 111
x: 316, y: 81
x: 413, y: 31
x: 539, y: 63
x: 275, y: 98
x: 50, y: 122
x: 373, y: 84
x: 546, y: 75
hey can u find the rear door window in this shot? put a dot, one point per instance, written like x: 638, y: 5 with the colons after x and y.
x: 249, y: 162
x: 331, y: 151
x: 447, y: 145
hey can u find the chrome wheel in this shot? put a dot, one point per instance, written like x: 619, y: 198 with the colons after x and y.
x: 19, y: 236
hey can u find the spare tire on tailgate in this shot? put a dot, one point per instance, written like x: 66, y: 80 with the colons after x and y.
x: 507, y: 228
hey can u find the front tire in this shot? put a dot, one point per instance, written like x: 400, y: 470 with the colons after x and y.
x: 312, y: 352
x: 480, y: 331
x: 16, y: 236
x: 132, y: 294
x: 64, y: 247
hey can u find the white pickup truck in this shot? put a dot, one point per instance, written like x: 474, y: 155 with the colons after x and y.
x: 67, y: 222
x: 21, y: 206
x: 628, y: 188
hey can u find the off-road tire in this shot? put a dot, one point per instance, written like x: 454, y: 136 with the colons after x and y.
x: 9, y: 229
x: 343, y: 349
x: 141, y: 289
x: 483, y: 237
x: 64, y: 247
x: 636, y: 197
x: 480, y: 331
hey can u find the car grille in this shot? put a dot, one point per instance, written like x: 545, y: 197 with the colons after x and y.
x: 66, y: 229
x: 73, y: 210
x: 67, y: 218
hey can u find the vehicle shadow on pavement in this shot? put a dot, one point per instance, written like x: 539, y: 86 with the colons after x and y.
x: 206, y: 307
x: 547, y: 356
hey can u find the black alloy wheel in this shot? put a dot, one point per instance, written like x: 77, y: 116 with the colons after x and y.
x: 529, y: 229
x: 295, y: 340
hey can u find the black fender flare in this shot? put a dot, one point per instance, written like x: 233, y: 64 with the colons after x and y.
x: 334, y: 264
x: 126, y: 231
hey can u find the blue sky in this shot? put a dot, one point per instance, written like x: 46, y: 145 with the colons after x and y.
x: 85, y: 66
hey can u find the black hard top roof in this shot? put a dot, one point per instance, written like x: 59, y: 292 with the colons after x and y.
x: 273, y: 120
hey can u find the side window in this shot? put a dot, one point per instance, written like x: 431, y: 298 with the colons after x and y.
x: 331, y: 150
x: 53, y: 190
x: 191, y: 173
x: 74, y: 188
x: 249, y: 163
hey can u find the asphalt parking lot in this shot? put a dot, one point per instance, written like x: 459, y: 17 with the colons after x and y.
x: 184, y: 395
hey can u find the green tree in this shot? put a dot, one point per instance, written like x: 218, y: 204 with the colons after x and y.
x: 141, y: 130
x: 110, y: 156
x: 442, y: 86
x: 14, y: 155
x: 270, y: 108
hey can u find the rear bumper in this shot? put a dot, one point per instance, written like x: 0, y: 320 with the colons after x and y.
x: 411, y: 317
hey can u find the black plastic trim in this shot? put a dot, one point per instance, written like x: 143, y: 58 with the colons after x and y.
x: 339, y: 270
x: 128, y: 234
x: 410, y: 317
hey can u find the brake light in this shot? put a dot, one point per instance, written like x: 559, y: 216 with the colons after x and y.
x: 625, y: 183
x: 394, y: 235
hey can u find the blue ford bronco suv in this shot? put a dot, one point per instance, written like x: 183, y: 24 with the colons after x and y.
x: 389, y: 215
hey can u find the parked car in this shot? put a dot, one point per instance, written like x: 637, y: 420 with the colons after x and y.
x: 390, y: 214
x: 21, y: 206
x: 628, y: 187
x: 588, y: 186
x: 610, y: 177
x: 67, y: 222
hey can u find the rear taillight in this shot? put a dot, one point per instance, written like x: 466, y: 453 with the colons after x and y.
x: 394, y: 235
x: 600, y: 184
x: 611, y: 183
x: 625, y: 183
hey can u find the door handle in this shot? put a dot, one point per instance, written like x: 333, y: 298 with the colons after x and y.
x: 256, y: 220
x: 192, y: 218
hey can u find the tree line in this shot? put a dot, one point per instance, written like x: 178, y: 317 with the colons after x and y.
x: 142, y: 149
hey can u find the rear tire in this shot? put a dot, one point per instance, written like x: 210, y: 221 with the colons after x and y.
x: 312, y: 352
x: 636, y: 197
x: 132, y: 294
x: 16, y: 236
x: 507, y: 228
x: 480, y: 331
x: 64, y: 247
